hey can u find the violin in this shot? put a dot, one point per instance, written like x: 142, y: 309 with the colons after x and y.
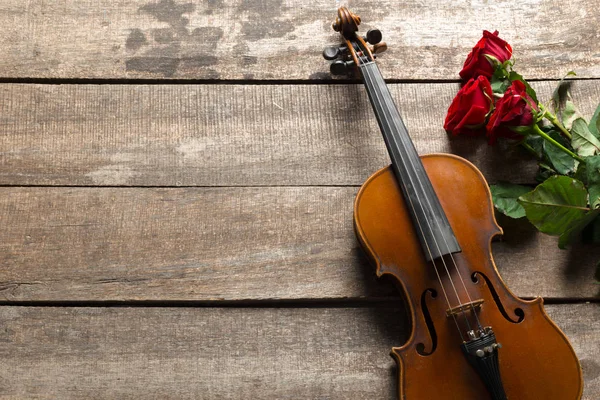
x: 428, y: 222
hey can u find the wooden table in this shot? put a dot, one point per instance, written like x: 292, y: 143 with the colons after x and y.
x: 177, y: 186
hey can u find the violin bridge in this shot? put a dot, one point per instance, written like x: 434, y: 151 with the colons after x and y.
x: 475, y: 304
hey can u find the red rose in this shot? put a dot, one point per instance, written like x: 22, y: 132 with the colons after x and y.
x: 512, y: 111
x: 478, y: 64
x: 469, y: 109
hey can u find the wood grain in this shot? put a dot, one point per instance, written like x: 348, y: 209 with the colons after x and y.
x: 229, y: 135
x: 270, y: 174
x: 224, y: 353
x: 226, y: 244
x: 275, y: 39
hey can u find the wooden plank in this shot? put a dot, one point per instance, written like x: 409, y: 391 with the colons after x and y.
x: 228, y: 135
x: 231, y: 353
x: 225, y: 244
x: 275, y: 39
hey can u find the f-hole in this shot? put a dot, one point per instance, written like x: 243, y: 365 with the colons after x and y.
x: 429, y: 322
x: 518, y: 311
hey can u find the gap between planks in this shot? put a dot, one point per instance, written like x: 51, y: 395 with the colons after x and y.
x: 264, y: 82
x: 384, y: 302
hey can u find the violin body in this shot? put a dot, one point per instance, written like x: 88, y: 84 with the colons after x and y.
x: 536, y: 361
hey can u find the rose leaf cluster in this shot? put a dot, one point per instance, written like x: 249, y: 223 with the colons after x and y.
x: 498, y: 102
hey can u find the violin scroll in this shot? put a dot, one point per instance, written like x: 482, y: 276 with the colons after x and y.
x: 346, y: 23
x: 354, y: 51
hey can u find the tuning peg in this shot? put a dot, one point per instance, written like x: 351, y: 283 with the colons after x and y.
x: 333, y: 52
x: 340, y: 67
x: 373, y: 36
x: 379, y: 48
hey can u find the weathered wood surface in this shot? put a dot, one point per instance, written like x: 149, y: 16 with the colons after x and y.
x: 228, y: 135
x: 271, y: 173
x: 275, y: 39
x: 225, y: 244
x: 230, y: 353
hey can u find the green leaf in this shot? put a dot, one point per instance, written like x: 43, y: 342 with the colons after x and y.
x: 500, y: 69
x: 544, y: 172
x: 573, y: 232
x: 562, y: 162
x: 513, y: 76
x: 505, y: 197
x: 500, y: 86
x: 582, y: 139
x: 581, y: 173
x: 595, y: 123
x: 555, y: 205
x: 592, y: 172
x: 499, y: 80
x: 569, y: 114
x: 537, y: 143
x: 562, y: 102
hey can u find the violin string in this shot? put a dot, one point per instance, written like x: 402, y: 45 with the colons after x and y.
x: 448, y: 251
x: 437, y: 222
x: 435, y: 267
x: 451, y: 255
x: 437, y: 246
x: 461, y: 280
x: 361, y: 59
x: 366, y: 75
x: 463, y: 311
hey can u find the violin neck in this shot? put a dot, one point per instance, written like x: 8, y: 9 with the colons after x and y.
x: 430, y: 222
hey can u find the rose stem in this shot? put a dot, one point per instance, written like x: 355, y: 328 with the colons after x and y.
x: 552, y: 118
x: 543, y: 134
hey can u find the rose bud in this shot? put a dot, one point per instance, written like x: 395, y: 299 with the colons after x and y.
x: 470, y: 108
x: 478, y: 64
x: 513, y: 111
